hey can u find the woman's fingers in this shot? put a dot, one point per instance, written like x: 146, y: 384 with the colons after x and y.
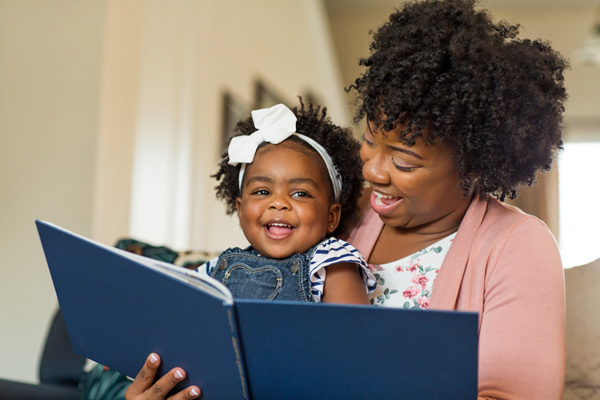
x: 142, y: 387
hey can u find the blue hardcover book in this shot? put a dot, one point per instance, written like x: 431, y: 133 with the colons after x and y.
x: 120, y: 307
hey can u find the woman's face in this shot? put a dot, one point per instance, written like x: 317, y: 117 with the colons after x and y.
x: 414, y: 187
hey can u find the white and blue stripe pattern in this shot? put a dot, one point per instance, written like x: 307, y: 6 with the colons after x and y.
x: 334, y: 251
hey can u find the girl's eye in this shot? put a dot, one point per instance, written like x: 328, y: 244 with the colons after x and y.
x: 403, y: 166
x: 300, y: 193
x: 261, y: 192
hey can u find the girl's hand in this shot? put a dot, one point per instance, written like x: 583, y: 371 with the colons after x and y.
x: 143, y: 389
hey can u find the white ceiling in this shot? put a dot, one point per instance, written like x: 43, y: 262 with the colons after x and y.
x: 344, y: 6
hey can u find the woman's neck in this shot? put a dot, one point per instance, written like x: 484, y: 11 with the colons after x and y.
x: 395, y: 243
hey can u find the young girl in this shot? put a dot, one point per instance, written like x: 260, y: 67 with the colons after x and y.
x: 294, y: 179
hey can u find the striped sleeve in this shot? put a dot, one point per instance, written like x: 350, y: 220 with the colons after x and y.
x: 205, y: 268
x: 334, y: 251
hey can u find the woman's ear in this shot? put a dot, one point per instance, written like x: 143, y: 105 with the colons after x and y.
x: 335, y: 213
x: 472, y: 183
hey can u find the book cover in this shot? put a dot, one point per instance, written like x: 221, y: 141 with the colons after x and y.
x: 120, y: 307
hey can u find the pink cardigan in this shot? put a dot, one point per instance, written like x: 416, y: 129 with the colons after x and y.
x: 505, y: 265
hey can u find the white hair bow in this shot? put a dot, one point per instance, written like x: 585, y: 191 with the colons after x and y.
x: 274, y: 125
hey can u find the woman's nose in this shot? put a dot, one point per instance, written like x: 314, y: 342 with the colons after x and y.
x: 374, y: 168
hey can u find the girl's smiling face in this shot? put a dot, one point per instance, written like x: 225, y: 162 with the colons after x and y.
x: 414, y: 187
x: 286, y: 206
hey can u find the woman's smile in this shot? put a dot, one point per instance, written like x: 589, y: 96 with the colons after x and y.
x: 384, y: 204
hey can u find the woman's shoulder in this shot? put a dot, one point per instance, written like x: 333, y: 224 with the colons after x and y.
x: 507, y: 216
x: 502, y: 223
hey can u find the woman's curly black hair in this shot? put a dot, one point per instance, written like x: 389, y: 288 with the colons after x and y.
x: 312, y: 121
x: 443, y: 67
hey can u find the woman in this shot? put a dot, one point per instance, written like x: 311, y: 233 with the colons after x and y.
x: 460, y: 114
x: 459, y: 110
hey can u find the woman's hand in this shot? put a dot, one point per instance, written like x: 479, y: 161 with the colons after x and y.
x: 143, y: 389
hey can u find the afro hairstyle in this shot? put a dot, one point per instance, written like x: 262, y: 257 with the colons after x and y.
x: 446, y: 73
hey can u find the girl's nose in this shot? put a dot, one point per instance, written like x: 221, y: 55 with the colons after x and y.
x: 279, y: 202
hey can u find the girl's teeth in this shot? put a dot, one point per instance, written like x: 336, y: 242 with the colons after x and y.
x: 280, y: 229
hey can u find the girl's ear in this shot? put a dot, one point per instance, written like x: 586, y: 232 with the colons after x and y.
x: 335, y: 213
x: 238, y: 206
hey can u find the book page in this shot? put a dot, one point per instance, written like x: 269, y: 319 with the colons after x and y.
x: 202, y: 282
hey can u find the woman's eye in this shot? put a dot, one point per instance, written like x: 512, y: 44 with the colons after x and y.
x: 368, y: 141
x: 403, y: 166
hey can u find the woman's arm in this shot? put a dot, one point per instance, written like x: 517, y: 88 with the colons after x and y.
x: 522, y: 336
x: 344, y: 284
x: 142, y: 388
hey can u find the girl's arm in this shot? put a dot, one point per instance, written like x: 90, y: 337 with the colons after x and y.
x: 344, y: 284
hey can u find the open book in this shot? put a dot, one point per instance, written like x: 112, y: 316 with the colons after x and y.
x: 120, y: 307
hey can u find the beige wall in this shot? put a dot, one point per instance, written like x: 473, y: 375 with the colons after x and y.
x: 49, y: 95
x: 561, y: 23
x: 110, y: 119
x: 566, y: 27
x: 110, y: 112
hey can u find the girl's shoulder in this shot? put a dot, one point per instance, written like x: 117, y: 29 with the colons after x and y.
x: 333, y: 244
x: 333, y: 250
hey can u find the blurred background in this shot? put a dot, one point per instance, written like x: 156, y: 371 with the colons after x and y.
x: 114, y: 113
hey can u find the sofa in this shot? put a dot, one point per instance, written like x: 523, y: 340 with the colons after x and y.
x: 582, y: 380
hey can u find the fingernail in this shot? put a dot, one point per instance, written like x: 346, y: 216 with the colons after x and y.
x: 194, y: 392
x: 178, y: 374
x: 153, y: 358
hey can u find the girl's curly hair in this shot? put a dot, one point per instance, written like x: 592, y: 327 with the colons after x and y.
x: 344, y: 149
x: 443, y: 67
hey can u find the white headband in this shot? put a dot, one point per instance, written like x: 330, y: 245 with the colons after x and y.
x: 274, y: 125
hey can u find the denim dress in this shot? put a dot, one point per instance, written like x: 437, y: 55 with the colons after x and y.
x: 249, y: 275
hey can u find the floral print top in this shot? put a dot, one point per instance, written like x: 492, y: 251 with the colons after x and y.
x: 407, y: 282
